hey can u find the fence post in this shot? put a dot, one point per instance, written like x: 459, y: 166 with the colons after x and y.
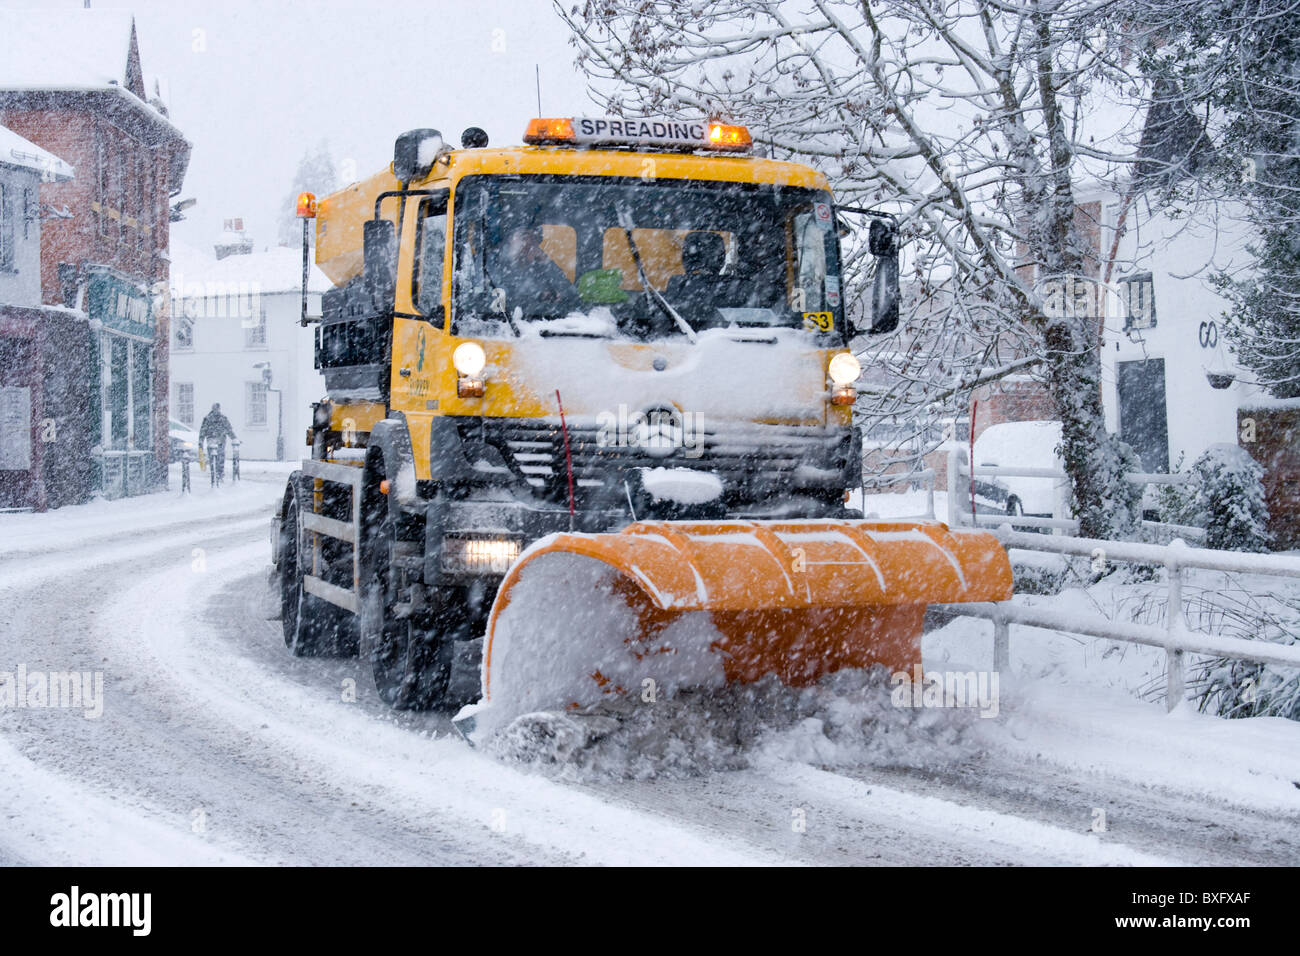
x: 1175, y: 676
x: 954, y: 461
x: 1060, y: 503
x: 1001, y: 645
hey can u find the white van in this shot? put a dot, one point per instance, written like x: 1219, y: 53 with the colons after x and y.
x: 1024, y: 445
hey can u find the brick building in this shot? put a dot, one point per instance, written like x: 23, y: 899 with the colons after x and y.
x: 72, y: 83
x: 42, y: 413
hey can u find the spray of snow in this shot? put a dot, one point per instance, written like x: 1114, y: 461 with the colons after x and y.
x: 847, y: 719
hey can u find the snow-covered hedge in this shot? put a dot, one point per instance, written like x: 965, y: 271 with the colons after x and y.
x: 1230, y: 499
x: 1225, y: 497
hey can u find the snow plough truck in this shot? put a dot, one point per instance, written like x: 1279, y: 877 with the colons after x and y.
x: 588, y: 427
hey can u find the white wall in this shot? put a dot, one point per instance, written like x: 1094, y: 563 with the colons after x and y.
x: 1181, y: 255
x: 220, y: 364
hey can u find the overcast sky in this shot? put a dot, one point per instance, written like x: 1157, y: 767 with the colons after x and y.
x: 254, y: 84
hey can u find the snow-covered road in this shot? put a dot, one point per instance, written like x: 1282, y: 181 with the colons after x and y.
x: 216, y: 746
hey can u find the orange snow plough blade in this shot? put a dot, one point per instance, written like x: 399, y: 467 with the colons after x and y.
x: 665, y: 605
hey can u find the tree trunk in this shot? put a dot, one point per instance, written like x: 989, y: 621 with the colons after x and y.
x: 1093, y: 460
x: 1102, y: 500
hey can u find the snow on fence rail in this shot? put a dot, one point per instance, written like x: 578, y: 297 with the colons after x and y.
x: 924, y: 477
x: 1175, y: 637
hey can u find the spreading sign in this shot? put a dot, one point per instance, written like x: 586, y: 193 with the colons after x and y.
x: 592, y: 131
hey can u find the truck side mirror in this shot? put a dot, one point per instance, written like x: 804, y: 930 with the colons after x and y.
x: 415, y: 152
x: 379, y: 242
x: 882, y: 242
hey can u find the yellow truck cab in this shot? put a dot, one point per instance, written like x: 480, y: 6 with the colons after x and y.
x: 621, y: 320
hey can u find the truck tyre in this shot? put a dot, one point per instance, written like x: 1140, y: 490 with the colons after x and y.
x: 312, y: 627
x: 400, y: 648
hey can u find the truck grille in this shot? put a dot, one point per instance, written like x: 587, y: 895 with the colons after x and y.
x: 751, y: 460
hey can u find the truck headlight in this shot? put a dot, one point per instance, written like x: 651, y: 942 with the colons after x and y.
x: 845, y: 369
x: 479, y: 555
x: 469, y: 359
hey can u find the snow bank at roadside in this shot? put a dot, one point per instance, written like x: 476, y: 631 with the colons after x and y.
x: 261, y: 486
x: 1098, y: 706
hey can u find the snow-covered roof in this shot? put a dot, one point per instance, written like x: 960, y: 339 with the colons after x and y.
x: 24, y: 154
x: 64, y: 49
x: 275, y: 269
x: 75, y: 50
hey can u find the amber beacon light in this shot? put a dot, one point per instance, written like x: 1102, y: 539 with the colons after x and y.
x: 550, y: 131
x: 722, y: 136
x: 306, y: 206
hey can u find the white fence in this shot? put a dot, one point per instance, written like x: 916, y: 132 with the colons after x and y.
x: 1175, y: 637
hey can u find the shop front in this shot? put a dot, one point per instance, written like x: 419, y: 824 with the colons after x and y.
x: 122, y: 359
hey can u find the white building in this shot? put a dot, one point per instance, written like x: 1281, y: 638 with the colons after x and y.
x: 236, y: 320
x: 1172, y: 386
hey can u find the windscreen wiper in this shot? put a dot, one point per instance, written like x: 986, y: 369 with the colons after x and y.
x: 511, y: 320
x: 625, y: 220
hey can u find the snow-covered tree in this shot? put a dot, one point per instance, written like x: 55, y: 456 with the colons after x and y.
x: 969, y: 120
x: 1237, y: 63
x: 316, y: 174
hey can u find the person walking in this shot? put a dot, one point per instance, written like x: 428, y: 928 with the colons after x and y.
x: 212, y: 435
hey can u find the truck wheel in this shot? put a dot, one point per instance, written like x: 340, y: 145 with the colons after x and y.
x: 312, y: 627
x: 409, y: 664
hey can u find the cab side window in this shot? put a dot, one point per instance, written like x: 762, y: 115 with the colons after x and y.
x: 433, y: 255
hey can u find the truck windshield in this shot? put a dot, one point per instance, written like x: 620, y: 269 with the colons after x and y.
x: 565, y: 255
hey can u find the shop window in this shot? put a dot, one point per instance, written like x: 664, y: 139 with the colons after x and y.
x: 118, y: 391
x: 141, y: 395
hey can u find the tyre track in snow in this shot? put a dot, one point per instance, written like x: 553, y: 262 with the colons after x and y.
x: 1151, y: 819
x: 745, y: 808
